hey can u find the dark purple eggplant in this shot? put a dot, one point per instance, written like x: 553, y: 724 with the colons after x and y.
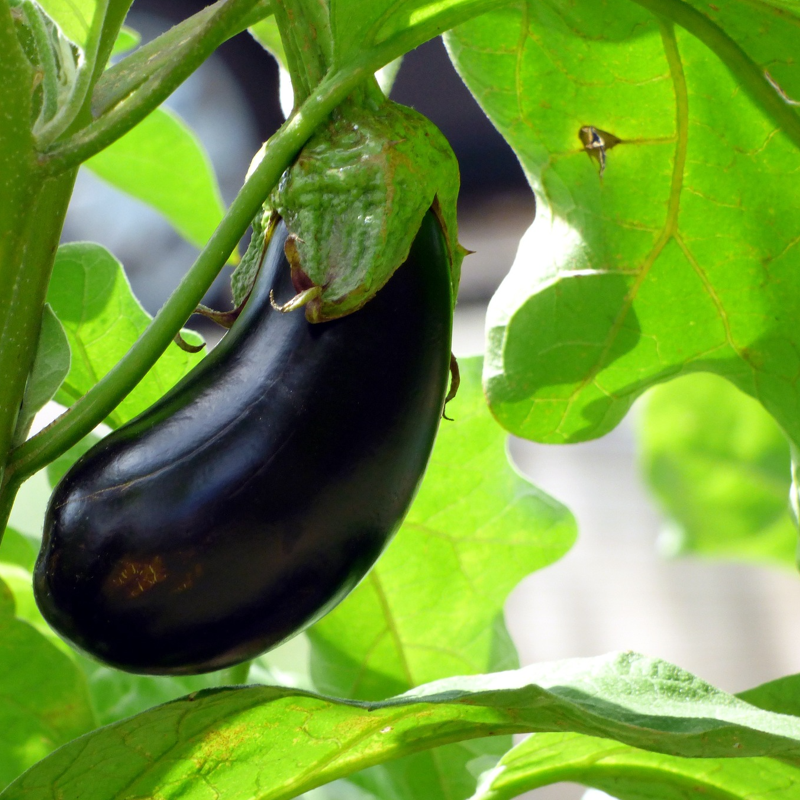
x: 256, y: 494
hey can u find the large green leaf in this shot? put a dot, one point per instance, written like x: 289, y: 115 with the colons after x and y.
x: 274, y: 743
x: 44, y: 702
x: 632, y: 774
x: 433, y: 605
x: 719, y: 465
x: 627, y: 773
x: 682, y: 256
x: 162, y: 163
x: 92, y: 297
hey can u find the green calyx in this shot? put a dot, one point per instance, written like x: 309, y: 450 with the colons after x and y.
x: 354, y: 200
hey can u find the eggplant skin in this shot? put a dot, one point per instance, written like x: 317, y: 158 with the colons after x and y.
x: 257, y: 493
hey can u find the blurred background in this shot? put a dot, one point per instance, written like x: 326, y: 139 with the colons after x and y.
x: 731, y: 624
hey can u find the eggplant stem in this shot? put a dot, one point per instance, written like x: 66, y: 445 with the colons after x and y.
x: 298, y: 301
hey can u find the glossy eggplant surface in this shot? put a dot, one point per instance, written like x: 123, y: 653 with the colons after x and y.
x: 254, y: 495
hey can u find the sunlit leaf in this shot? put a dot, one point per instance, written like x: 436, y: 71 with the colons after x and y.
x: 682, y: 256
x: 162, y: 163
x: 276, y: 743
x: 16, y: 549
x: 92, y: 297
x: 719, y: 465
x: 627, y: 773
x: 73, y: 17
x: 44, y: 702
x: 632, y: 774
x: 433, y: 605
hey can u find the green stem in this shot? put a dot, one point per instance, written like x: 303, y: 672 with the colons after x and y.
x: 47, y: 60
x: 67, y: 114
x: 112, y: 23
x: 103, y: 397
x: 236, y: 676
x: 39, y: 235
x: 749, y: 74
x: 306, y: 38
x: 126, y: 94
x: 20, y: 184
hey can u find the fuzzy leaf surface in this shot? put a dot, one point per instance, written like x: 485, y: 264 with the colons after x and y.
x: 233, y: 742
x: 631, y: 774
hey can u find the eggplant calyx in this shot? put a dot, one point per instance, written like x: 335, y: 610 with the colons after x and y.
x: 455, y: 382
x: 298, y: 301
x: 224, y: 319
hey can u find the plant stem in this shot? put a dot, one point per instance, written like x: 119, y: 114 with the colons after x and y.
x: 18, y: 190
x: 236, y: 676
x: 306, y: 42
x: 47, y: 61
x: 39, y: 235
x: 127, y: 93
x: 103, y: 397
x: 67, y: 114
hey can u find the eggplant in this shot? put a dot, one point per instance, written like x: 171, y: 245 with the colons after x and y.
x: 257, y: 493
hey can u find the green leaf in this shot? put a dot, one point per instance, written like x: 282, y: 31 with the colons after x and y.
x: 630, y: 774
x: 433, y: 605
x: 73, y: 17
x: 720, y: 467
x: 44, y: 702
x: 162, y: 163
x: 781, y: 696
x: 476, y: 528
x: 16, y: 549
x: 127, y: 39
x: 92, y: 297
x: 359, y: 24
x: 235, y: 743
x: 50, y: 368
x: 682, y: 256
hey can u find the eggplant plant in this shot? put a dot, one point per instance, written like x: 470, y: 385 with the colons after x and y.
x: 243, y: 496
